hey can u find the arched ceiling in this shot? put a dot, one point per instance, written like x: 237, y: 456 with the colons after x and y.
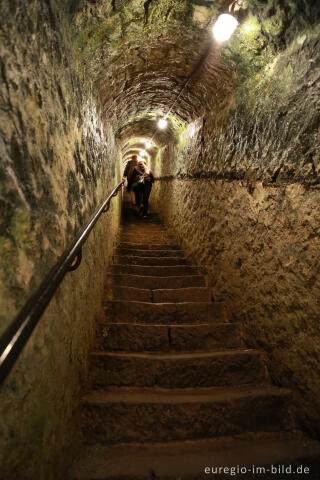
x: 145, y: 125
x: 141, y: 53
x: 154, y: 83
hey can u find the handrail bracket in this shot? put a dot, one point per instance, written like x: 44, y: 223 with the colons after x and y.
x: 77, y: 263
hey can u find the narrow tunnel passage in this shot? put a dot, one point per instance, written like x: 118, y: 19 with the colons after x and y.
x: 84, y: 84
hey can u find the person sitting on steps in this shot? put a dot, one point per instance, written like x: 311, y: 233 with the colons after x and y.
x: 141, y: 183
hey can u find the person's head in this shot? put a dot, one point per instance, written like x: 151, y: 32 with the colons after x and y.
x: 142, y: 164
x: 134, y: 158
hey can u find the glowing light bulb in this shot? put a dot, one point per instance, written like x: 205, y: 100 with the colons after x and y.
x: 143, y: 153
x: 148, y: 145
x: 224, y: 27
x: 162, y: 123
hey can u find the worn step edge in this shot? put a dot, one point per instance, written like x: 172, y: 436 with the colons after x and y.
x: 173, y: 325
x: 159, y: 305
x: 185, y: 294
x: 187, y: 460
x: 126, y: 293
x: 149, y: 253
x: 147, y: 236
x: 151, y: 233
x: 151, y: 241
x: 148, y: 271
x: 176, y: 369
x: 139, y: 337
x: 148, y: 261
x: 159, y: 356
x: 152, y: 395
x: 191, y: 294
x: 156, y: 282
x: 116, y: 416
x: 148, y: 246
x: 184, y: 312
x: 142, y: 228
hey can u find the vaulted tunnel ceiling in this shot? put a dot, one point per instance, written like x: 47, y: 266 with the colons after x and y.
x: 140, y: 54
x: 145, y: 126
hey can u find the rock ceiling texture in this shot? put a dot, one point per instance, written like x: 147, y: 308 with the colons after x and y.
x: 149, y: 58
x: 142, y: 53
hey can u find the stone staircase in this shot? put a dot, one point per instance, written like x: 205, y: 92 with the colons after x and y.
x: 174, y: 390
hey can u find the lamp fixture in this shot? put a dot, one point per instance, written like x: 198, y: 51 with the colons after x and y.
x: 224, y: 27
x: 162, y: 123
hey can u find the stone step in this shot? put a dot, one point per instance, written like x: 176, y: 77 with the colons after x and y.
x: 166, y: 243
x: 165, y: 313
x: 144, y: 229
x: 123, y: 414
x: 162, y: 271
x: 155, y: 238
x: 129, y: 293
x: 188, y: 460
x: 152, y: 221
x: 190, y: 294
x: 149, y: 261
x: 177, y: 370
x: 149, y: 246
x: 145, y: 233
x: 150, y: 253
x: 141, y: 338
x: 151, y: 282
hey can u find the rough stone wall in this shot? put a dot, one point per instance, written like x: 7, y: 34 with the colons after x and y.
x: 243, y: 196
x: 57, y: 165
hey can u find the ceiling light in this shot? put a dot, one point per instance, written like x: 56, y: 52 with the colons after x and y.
x: 148, y: 145
x: 162, y: 124
x: 224, y: 27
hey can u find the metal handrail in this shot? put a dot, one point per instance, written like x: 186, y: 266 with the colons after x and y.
x: 19, y: 332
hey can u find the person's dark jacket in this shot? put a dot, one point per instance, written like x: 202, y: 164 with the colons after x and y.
x: 137, y: 173
x: 128, y: 171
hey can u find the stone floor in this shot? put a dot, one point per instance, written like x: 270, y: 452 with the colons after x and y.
x: 174, y: 390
